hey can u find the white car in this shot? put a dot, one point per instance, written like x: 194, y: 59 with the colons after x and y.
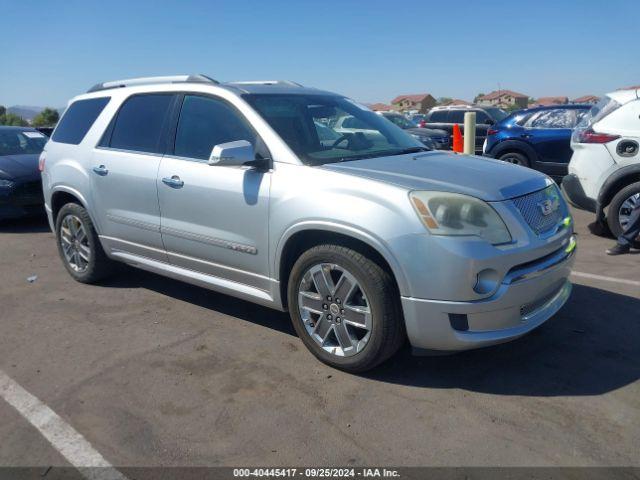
x: 604, y: 172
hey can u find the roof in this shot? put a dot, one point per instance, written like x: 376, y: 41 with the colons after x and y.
x: 380, y: 106
x: 414, y: 97
x: 586, y: 99
x: 501, y: 93
x: 544, y: 101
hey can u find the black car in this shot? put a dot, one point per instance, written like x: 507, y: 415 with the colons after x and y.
x: 20, y: 183
x: 438, y: 138
x: 444, y: 118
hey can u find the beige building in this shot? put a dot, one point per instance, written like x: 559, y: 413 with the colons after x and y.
x: 422, y: 102
x: 504, y: 99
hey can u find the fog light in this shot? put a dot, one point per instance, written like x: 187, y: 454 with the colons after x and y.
x: 487, y: 281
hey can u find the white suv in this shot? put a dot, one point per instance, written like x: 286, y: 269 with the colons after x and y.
x: 604, y: 172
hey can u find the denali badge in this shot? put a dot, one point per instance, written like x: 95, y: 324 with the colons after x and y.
x: 548, y: 206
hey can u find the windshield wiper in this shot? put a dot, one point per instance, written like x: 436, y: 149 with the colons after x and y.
x: 404, y: 151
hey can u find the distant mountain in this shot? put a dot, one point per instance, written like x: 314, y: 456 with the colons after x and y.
x: 28, y: 112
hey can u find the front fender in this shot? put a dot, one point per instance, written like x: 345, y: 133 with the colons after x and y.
x: 348, y: 230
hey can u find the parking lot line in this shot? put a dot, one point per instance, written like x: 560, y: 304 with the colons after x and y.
x: 62, y: 436
x: 606, y: 279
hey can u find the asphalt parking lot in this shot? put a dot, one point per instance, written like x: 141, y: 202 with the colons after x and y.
x: 152, y: 372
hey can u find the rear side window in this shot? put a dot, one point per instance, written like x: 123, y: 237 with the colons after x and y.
x: 438, y: 116
x: 206, y: 122
x: 78, y: 119
x: 456, y: 116
x: 140, y: 122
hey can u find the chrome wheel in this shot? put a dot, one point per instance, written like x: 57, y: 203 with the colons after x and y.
x: 625, y: 209
x: 334, y: 309
x: 75, y: 243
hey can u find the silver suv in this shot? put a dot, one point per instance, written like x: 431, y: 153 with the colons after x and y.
x: 366, y: 237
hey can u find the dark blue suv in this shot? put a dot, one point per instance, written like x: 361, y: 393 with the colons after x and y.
x: 536, y: 137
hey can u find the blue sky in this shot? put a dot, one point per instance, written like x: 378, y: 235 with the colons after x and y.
x: 370, y: 50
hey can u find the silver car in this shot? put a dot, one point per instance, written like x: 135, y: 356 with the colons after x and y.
x: 367, y: 238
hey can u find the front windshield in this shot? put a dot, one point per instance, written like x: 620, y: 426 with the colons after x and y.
x: 21, y: 142
x: 326, y: 128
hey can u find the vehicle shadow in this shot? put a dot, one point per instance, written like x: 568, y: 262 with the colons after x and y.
x: 130, y: 277
x: 37, y: 224
x: 589, y: 348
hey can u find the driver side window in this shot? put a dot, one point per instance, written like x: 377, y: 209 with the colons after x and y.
x: 205, y: 122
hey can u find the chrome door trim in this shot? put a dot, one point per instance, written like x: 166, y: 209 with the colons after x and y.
x: 216, y: 242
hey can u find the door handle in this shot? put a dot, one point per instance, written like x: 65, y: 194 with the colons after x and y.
x: 101, y: 170
x: 526, y: 135
x: 173, y: 182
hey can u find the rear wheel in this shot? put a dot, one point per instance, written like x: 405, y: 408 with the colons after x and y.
x: 79, y: 246
x: 621, y: 206
x: 345, y: 308
x: 516, y: 158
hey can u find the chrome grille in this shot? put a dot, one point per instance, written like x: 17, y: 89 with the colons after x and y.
x: 542, y: 210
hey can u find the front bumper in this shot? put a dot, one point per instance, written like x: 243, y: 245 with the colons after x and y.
x: 22, y: 199
x: 527, y: 297
x: 574, y: 192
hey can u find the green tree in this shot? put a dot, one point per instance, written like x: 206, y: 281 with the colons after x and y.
x: 46, y: 118
x: 3, y: 110
x: 475, y: 99
x: 13, y: 120
x: 444, y: 100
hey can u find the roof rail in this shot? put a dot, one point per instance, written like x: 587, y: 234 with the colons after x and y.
x: 267, y: 82
x: 130, y: 82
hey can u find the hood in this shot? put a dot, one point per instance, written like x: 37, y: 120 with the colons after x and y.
x: 480, y: 177
x: 16, y: 166
x: 427, y: 132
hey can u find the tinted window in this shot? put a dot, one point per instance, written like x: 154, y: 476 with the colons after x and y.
x: 77, y: 120
x: 139, y: 123
x: 456, y: 116
x: 438, y: 116
x: 206, y: 122
x: 17, y: 142
x: 482, y: 117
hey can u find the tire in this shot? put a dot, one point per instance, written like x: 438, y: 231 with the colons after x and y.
x: 91, y: 263
x: 375, y: 292
x: 613, y: 218
x: 516, y: 158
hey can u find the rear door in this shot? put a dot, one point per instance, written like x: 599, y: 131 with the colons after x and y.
x: 549, y: 133
x: 215, y: 219
x: 123, y: 176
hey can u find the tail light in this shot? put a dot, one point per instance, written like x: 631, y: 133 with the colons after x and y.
x: 422, y: 124
x: 492, y: 131
x: 41, y: 160
x: 589, y: 136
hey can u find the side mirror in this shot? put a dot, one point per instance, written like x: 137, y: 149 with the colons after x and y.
x: 232, y: 154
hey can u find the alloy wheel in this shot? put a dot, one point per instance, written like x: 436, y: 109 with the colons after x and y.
x: 625, y: 209
x: 75, y: 243
x: 334, y: 309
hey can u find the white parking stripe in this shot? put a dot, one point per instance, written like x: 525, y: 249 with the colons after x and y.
x: 71, y: 445
x: 606, y: 279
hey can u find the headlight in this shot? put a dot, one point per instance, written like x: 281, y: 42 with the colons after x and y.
x: 461, y: 215
x: 5, y: 183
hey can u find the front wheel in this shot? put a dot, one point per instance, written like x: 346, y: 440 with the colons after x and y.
x: 345, y: 308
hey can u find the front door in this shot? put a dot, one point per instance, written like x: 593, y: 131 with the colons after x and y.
x: 123, y: 177
x: 214, y: 219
